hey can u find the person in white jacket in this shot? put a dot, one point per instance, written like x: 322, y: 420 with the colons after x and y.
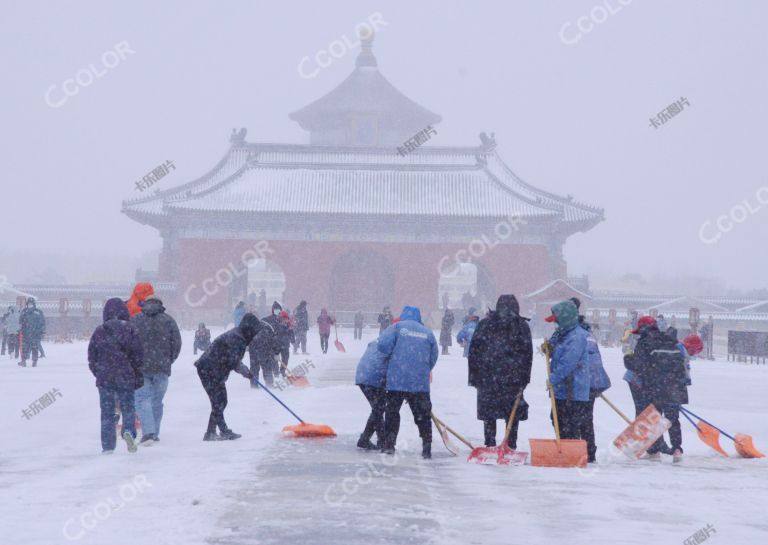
x: 12, y: 327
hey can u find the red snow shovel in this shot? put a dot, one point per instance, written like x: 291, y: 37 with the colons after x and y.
x: 560, y: 452
x: 710, y: 434
x: 298, y: 381
x: 501, y: 455
x: 337, y: 342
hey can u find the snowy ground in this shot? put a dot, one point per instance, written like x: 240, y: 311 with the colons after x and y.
x: 56, y: 487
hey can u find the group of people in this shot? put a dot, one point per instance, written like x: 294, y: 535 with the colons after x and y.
x: 131, y: 354
x: 396, y: 367
x: 23, y: 333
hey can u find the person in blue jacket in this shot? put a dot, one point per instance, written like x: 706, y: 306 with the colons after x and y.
x: 412, y: 351
x: 598, y: 383
x: 464, y: 337
x: 371, y: 376
x: 570, y: 375
x: 238, y: 313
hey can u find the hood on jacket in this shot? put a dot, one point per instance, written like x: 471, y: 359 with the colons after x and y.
x: 141, y: 292
x: 566, y: 314
x: 31, y: 303
x: 323, y: 312
x: 152, y: 306
x: 507, y: 306
x: 250, y: 326
x: 302, y: 304
x: 411, y: 313
x: 115, y: 309
x: 276, y: 307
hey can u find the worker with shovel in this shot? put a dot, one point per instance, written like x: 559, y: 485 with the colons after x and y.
x: 660, y: 366
x: 570, y: 376
x: 500, y: 361
x: 225, y: 355
x: 412, y: 351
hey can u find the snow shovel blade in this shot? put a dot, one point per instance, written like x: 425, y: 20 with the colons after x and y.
x: 484, y: 455
x: 554, y: 453
x: 509, y: 457
x: 298, y: 381
x: 745, y: 447
x: 642, y: 433
x: 711, y: 437
x: 339, y: 346
x: 309, y: 430
x: 449, y: 445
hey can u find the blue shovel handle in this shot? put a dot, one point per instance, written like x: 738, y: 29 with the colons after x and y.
x: 278, y: 400
x: 684, y: 411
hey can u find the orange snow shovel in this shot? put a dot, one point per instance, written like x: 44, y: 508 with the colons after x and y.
x: 337, y: 342
x: 299, y: 381
x: 302, y: 429
x: 710, y: 435
x: 560, y: 452
x: 502, y: 455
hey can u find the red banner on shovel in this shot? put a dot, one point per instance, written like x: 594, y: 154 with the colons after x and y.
x: 642, y: 433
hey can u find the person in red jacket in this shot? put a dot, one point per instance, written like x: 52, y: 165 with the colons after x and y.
x: 141, y: 292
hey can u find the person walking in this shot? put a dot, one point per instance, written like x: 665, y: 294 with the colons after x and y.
x: 358, y: 325
x: 464, y: 337
x: 4, y: 331
x: 141, y: 292
x: 32, y: 323
x: 202, y: 338
x: 412, y: 352
x: 500, y: 361
x: 161, y: 343
x: 371, y: 377
x: 214, y: 366
x: 324, y: 323
x: 446, y: 328
x: 384, y: 319
x: 262, y: 351
x: 12, y: 328
x: 115, y: 357
x: 301, y: 326
x: 570, y: 375
x: 238, y: 313
x: 660, y: 365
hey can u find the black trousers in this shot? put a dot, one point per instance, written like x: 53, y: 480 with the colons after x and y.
x: 672, y: 413
x: 638, y: 399
x: 570, y: 417
x: 377, y: 399
x: 324, y: 342
x: 301, y: 341
x: 489, y: 427
x: 358, y: 332
x: 588, y: 425
x: 421, y: 408
x: 268, y: 368
x: 13, y: 345
x: 5, y: 343
x: 30, y: 347
x: 217, y: 394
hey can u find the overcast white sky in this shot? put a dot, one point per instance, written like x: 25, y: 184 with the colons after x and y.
x: 573, y: 119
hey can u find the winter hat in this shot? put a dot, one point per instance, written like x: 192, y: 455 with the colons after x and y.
x: 693, y: 345
x: 643, y: 322
x: 565, y: 314
x: 250, y: 326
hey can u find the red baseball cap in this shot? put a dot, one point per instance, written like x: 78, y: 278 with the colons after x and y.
x: 551, y: 318
x: 645, y: 321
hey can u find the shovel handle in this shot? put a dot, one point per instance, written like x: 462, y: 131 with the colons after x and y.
x: 552, y: 397
x: 684, y: 411
x: 615, y: 408
x: 280, y: 402
x: 512, y: 417
x: 448, y: 428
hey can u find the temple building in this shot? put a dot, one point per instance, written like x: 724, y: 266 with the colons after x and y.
x: 361, y: 217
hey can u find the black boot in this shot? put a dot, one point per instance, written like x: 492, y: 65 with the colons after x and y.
x: 211, y: 436
x: 365, y: 443
x: 229, y: 435
x: 426, y: 450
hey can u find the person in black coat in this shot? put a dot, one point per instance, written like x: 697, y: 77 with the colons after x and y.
x: 301, y: 326
x: 659, y: 364
x: 115, y: 357
x: 358, y: 325
x: 32, y: 323
x: 500, y: 360
x: 283, y: 336
x: 224, y: 356
x: 384, y: 319
x: 202, y: 338
x: 262, y: 351
x: 446, y: 328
